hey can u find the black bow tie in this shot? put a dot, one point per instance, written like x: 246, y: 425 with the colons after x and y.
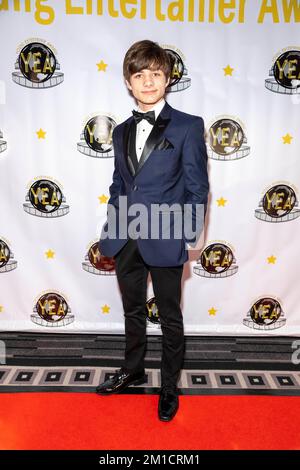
x: 149, y: 116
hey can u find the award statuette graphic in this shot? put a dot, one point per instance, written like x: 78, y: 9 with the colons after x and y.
x: 45, y: 200
x: 7, y: 263
x: 96, y: 263
x: 179, y: 80
x: 96, y: 138
x: 226, y: 140
x: 278, y: 204
x: 52, y: 310
x: 265, y: 314
x: 3, y: 143
x: 285, y: 73
x: 152, y: 314
x: 37, y: 66
x: 216, y: 260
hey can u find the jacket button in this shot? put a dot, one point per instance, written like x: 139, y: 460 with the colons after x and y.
x: 134, y: 188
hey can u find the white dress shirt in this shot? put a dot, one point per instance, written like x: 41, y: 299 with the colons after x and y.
x: 144, y: 128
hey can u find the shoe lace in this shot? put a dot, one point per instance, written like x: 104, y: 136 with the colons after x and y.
x: 120, y: 372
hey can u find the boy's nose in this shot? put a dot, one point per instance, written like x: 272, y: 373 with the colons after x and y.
x: 148, y: 80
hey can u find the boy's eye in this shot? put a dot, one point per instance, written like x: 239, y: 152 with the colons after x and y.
x: 139, y: 75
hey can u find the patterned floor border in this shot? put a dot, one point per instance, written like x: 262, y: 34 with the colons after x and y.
x: 192, y: 382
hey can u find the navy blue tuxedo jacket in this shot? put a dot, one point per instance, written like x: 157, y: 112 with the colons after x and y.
x: 172, y: 170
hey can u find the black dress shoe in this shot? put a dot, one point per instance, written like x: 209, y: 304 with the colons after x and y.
x: 168, y: 403
x: 120, y: 380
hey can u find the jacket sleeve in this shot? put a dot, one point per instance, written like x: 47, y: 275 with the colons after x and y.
x: 194, y: 158
x: 115, y: 187
x: 114, y: 191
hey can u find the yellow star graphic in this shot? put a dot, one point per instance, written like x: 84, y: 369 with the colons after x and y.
x: 101, y: 66
x: 103, y: 199
x: 49, y: 254
x: 228, y: 70
x: 1, y: 308
x: 287, y: 138
x: 41, y: 134
x: 105, y: 308
x: 212, y: 311
x: 272, y: 259
x: 221, y: 201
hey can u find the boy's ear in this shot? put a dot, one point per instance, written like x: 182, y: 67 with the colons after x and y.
x: 168, y: 81
x: 128, y: 85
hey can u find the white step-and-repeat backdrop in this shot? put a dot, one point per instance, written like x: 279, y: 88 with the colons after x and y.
x: 236, y: 64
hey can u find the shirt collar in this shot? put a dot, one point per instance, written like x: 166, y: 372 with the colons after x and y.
x: 156, y: 108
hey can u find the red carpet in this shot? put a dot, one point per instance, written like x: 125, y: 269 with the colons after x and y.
x: 88, y: 421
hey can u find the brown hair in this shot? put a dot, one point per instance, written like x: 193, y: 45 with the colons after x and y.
x: 146, y: 54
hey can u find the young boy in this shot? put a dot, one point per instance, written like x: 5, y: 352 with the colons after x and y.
x: 160, y: 158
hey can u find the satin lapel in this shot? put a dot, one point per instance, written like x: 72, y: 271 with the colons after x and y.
x: 159, y: 127
x: 154, y: 137
x: 127, y: 160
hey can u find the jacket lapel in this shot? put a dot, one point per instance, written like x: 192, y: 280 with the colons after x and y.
x: 155, y: 135
x: 128, y: 162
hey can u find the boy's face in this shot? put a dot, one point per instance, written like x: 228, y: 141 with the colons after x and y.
x: 148, y: 87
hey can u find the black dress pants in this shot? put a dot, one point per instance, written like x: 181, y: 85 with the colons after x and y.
x: 132, y: 273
